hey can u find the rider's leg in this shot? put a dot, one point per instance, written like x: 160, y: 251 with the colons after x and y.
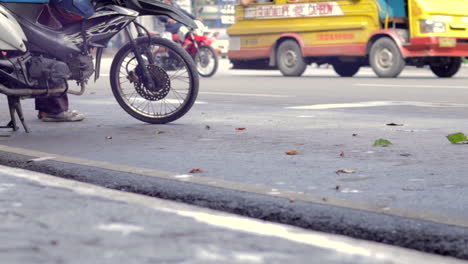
x: 55, y: 109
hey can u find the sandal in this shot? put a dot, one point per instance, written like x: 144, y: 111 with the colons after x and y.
x: 65, y: 116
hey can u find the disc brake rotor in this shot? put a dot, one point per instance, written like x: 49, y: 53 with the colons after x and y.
x: 162, y: 84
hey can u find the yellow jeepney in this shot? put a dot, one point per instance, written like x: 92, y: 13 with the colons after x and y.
x: 348, y: 34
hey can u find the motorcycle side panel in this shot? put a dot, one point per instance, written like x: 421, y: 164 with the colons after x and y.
x: 25, y: 1
x: 12, y: 37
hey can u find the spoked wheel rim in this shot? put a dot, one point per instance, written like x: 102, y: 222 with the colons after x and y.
x: 205, y: 61
x: 172, y: 83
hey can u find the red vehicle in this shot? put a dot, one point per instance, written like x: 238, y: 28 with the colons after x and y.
x: 198, y: 44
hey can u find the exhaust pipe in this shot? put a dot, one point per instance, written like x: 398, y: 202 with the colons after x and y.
x: 27, y: 92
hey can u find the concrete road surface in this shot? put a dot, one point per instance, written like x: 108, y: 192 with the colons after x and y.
x: 411, y: 194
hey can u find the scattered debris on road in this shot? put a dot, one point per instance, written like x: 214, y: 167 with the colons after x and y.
x: 40, y: 159
x: 382, y: 143
x: 292, y: 152
x: 109, y: 137
x: 457, y: 138
x: 394, y: 124
x: 240, y: 128
x: 346, y: 171
x: 342, y: 154
x: 196, y: 171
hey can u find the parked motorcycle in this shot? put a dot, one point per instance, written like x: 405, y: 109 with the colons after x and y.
x: 198, y: 45
x: 37, y: 60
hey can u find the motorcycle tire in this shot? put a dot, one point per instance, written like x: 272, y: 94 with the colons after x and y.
x: 202, y: 57
x: 175, y: 77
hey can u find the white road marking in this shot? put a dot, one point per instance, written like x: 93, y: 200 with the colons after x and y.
x: 336, y: 243
x: 375, y: 104
x: 125, y: 229
x: 137, y: 100
x: 411, y: 86
x: 247, y: 94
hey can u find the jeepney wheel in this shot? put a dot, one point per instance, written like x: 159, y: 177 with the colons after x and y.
x: 447, y: 67
x: 385, y: 58
x: 289, y: 59
x: 346, y: 69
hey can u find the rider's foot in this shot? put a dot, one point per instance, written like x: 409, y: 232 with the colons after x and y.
x: 65, y: 116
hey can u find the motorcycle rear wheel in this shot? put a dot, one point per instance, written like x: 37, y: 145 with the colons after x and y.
x: 206, y: 61
x: 174, y: 74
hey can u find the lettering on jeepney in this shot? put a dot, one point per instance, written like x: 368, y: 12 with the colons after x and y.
x: 296, y: 10
x: 312, y: 10
x: 299, y: 10
x: 335, y: 36
x: 285, y: 10
x: 325, y: 9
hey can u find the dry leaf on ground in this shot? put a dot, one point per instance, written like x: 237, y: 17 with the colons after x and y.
x: 342, y: 154
x: 196, y: 171
x: 240, y: 128
x: 354, y: 135
x: 292, y: 152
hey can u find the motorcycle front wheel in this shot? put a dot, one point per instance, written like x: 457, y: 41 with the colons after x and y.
x: 173, y: 72
x: 206, y: 61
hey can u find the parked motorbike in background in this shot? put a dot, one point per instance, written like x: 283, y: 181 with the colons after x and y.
x: 197, y: 42
x: 37, y: 60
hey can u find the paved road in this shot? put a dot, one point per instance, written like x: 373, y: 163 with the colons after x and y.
x: 422, y: 177
x: 50, y: 220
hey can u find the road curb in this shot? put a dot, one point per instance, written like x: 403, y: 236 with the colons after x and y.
x: 427, y: 236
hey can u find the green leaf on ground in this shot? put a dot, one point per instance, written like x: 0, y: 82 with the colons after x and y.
x: 457, y: 137
x: 382, y: 143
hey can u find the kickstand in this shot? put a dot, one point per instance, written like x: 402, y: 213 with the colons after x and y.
x: 14, y: 105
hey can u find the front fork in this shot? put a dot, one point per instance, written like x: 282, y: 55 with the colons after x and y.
x: 148, y: 80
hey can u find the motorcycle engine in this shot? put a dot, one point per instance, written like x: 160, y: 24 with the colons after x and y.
x: 50, y: 71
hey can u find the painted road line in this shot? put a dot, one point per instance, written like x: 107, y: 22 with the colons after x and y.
x: 246, y: 94
x: 375, y: 104
x: 255, y: 189
x: 137, y: 100
x: 337, y: 243
x: 412, y: 86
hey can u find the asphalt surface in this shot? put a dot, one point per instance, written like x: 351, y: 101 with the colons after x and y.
x: 46, y: 219
x: 411, y: 194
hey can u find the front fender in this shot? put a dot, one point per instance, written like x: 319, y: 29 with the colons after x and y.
x: 398, y: 38
x: 282, y: 37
